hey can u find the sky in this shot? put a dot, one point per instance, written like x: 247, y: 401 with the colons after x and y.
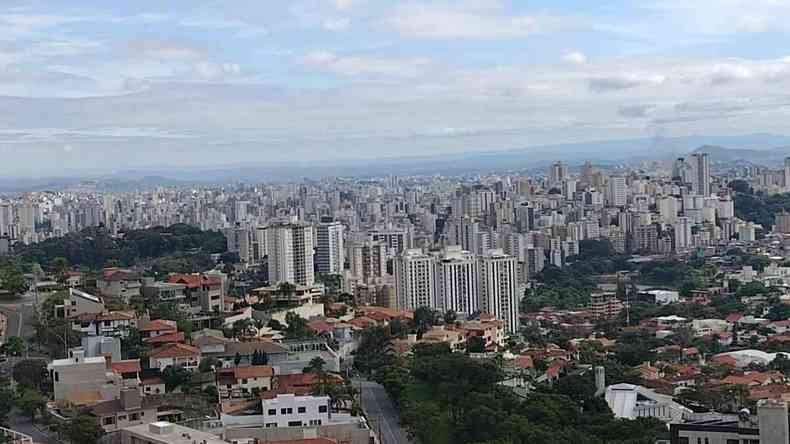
x: 98, y: 86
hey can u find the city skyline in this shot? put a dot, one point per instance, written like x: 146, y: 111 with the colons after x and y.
x: 97, y: 86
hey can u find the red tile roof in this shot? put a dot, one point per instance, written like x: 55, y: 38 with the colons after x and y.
x: 158, y: 325
x: 166, y: 338
x: 193, y: 280
x: 175, y: 350
x: 128, y: 366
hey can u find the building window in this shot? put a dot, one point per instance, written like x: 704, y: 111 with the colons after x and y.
x: 302, y: 409
x: 294, y: 423
x: 315, y: 422
x: 134, y: 417
x: 272, y: 412
x: 322, y: 409
x: 283, y: 411
x: 108, y: 420
x: 271, y: 425
x: 243, y: 381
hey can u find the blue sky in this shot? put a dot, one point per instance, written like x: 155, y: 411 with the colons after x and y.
x: 103, y: 86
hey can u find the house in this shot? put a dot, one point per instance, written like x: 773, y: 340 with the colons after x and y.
x: 157, y: 327
x: 203, y: 292
x: 129, y: 409
x: 175, y: 355
x: 169, y: 338
x: 440, y: 335
x: 296, y: 295
x: 81, y: 380
x: 114, y: 323
x: 129, y: 371
x: 163, y: 432
x: 119, y: 283
x: 752, y: 379
x: 164, y: 291
x: 74, y: 279
x: 244, y: 382
x: 286, y: 410
x: 78, y: 303
x: 632, y: 401
x: 152, y: 385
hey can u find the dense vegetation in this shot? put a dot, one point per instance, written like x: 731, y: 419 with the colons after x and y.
x: 570, y: 286
x: 450, y: 398
x: 757, y: 207
x: 96, y: 248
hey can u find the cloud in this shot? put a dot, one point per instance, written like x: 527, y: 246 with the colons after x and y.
x: 465, y: 20
x: 343, y: 4
x: 575, y: 57
x: 635, y: 111
x: 339, y: 24
x: 365, y: 66
x: 241, y: 28
x: 623, y: 82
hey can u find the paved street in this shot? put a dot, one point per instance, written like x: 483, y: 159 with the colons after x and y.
x: 383, y: 415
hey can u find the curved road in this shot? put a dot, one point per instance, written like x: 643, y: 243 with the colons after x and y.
x: 382, y: 414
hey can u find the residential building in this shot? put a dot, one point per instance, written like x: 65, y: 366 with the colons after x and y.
x: 330, y: 251
x: 290, y: 253
x: 499, y: 290
x: 415, y: 280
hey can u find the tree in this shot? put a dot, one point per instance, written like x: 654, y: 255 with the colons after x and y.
x: 14, y: 346
x: 375, y: 350
x: 209, y: 364
x: 475, y: 344
x: 260, y: 358
x: 424, y: 319
x: 12, y: 279
x: 185, y: 326
x: 60, y: 265
x: 31, y: 402
x: 30, y: 373
x: 175, y: 377
x: 450, y: 316
x: 6, y: 403
x: 84, y: 429
x: 297, y: 327
x: 316, y: 365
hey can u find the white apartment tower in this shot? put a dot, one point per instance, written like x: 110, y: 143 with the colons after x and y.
x: 701, y: 174
x: 616, y: 195
x: 499, y: 293
x: 330, y: 254
x: 290, y: 251
x: 456, y: 281
x: 682, y: 234
x: 415, y: 280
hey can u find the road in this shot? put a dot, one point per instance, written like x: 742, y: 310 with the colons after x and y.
x: 381, y: 413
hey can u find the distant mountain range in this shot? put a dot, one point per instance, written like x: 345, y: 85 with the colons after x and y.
x: 760, y: 148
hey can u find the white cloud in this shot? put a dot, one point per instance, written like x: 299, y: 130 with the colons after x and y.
x: 471, y: 20
x: 575, y: 57
x: 343, y: 4
x: 726, y: 16
x: 338, y: 24
x: 365, y: 66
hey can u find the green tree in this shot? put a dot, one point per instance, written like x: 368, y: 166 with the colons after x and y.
x: 12, y: 279
x: 297, y: 327
x: 30, y: 373
x: 175, y: 377
x: 60, y: 266
x: 6, y: 403
x: 84, y: 429
x: 14, y: 346
x: 316, y: 365
x: 375, y: 351
x: 475, y: 344
x: 31, y: 402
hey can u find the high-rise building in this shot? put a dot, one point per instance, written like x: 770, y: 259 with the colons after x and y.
x: 499, y: 290
x: 240, y: 240
x: 415, y: 280
x: 557, y: 174
x: 290, y: 253
x: 701, y: 184
x: 616, y: 196
x: 367, y: 259
x: 682, y: 234
x: 329, y: 251
x: 456, y: 281
x: 782, y: 224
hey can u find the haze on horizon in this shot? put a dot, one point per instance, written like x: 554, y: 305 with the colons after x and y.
x: 94, y: 85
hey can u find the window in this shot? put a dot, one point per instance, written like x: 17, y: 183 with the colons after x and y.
x: 290, y: 411
x: 283, y: 411
x: 733, y: 441
x: 121, y: 417
x: 322, y: 409
x: 107, y: 323
x: 294, y: 423
x: 134, y: 417
x: 302, y: 409
x: 271, y: 425
x: 272, y: 412
x: 57, y: 377
x: 243, y: 381
x: 315, y: 422
x: 108, y: 420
